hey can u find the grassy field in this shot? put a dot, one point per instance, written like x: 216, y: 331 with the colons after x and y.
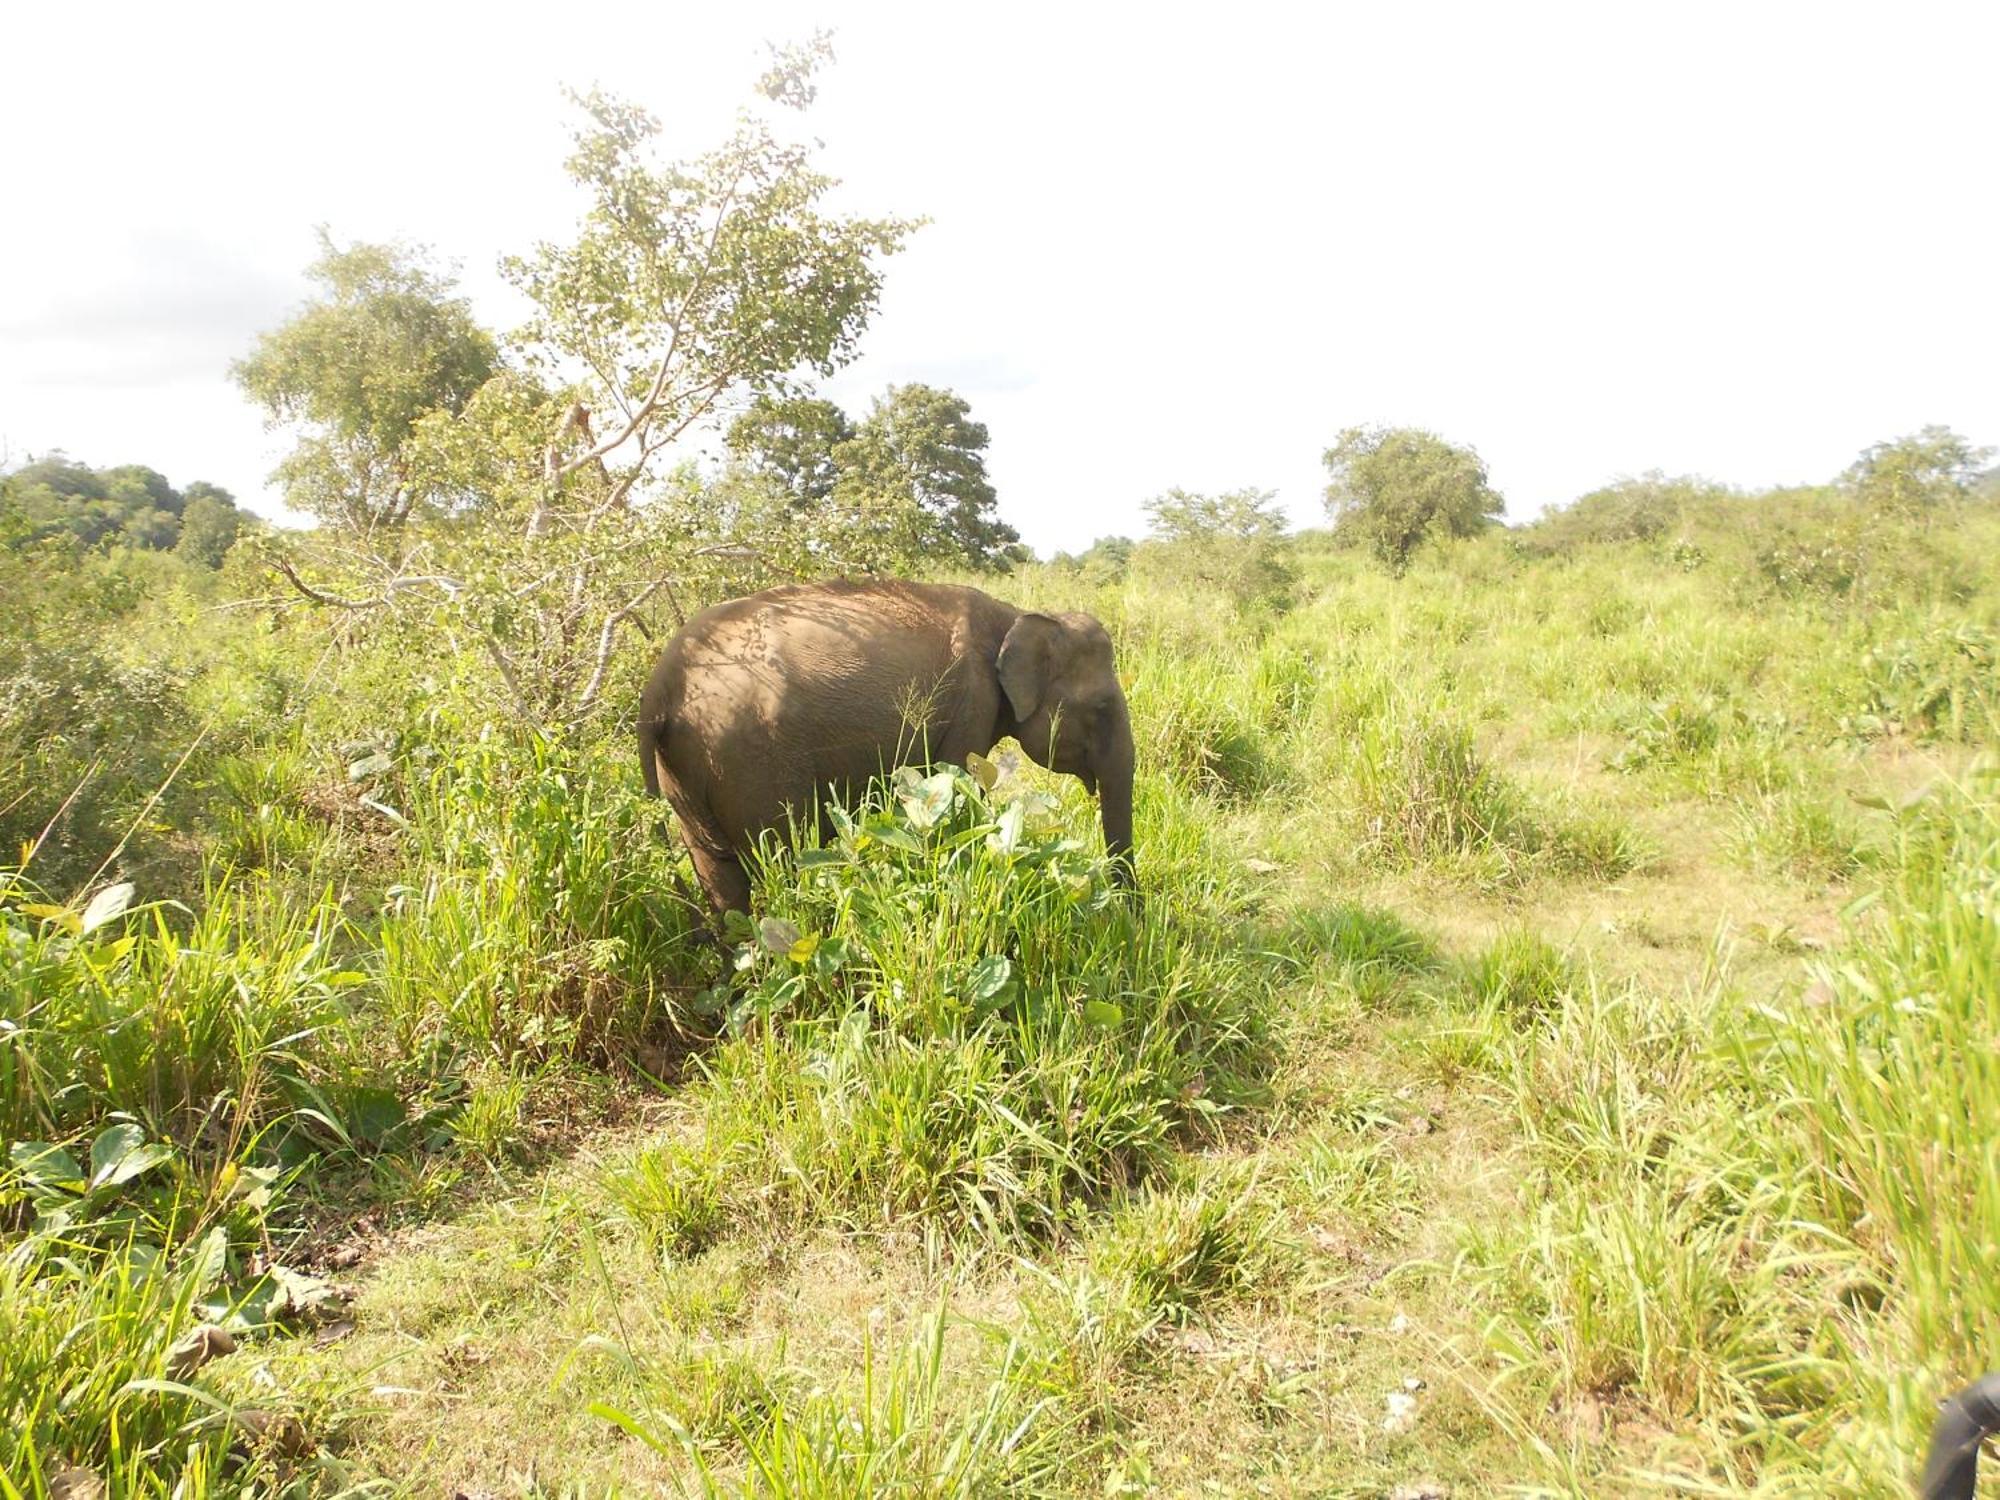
x: 1555, y: 1057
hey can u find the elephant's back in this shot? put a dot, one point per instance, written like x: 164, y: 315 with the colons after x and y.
x: 813, y: 683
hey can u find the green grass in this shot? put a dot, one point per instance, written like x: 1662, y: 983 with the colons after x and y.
x: 1565, y: 981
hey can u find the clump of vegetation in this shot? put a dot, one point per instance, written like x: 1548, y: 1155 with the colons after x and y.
x: 1551, y: 1049
x: 1392, y: 489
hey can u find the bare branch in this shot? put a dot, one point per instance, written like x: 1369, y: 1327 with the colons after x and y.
x: 320, y: 596
x: 606, y: 639
x: 646, y: 408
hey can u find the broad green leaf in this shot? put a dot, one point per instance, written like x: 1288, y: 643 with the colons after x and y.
x: 1006, y: 838
x: 777, y: 935
x: 896, y: 836
x: 209, y: 1259
x: 983, y: 770
x: 1102, y: 1013
x: 121, y: 1153
x: 989, y: 977
x: 43, y: 1165
x: 928, y: 801
x: 107, y: 905
x: 61, y: 916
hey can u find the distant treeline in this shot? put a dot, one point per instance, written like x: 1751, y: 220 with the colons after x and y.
x: 126, y: 506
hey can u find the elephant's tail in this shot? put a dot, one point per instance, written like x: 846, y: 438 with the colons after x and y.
x: 649, y: 754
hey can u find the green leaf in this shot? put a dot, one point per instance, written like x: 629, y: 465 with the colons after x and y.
x: 777, y: 935
x: 121, y: 1153
x: 928, y: 801
x: 45, y: 1166
x: 1006, y: 838
x: 1102, y: 1013
x: 208, y: 1260
x: 107, y: 905
x: 983, y: 770
x: 895, y: 836
x: 988, y: 978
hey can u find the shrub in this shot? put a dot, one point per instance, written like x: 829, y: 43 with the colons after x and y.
x: 946, y: 1013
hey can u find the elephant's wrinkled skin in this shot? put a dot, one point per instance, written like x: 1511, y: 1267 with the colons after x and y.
x: 758, y: 706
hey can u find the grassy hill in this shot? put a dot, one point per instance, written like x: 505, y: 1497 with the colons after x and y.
x: 1555, y: 1054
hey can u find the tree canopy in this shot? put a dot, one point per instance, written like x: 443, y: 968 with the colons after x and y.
x: 129, y: 505
x: 1393, y: 488
x: 1912, y: 476
x: 1232, y: 542
x: 385, y: 343
x: 791, y: 442
x: 908, y: 481
x: 546, y: 503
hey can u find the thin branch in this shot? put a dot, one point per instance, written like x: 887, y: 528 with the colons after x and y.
x: 606, y: 639
x: 650, y: 404
x: 320, y: 596
x: 505, y: 663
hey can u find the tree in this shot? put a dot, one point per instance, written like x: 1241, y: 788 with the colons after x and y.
x: 791, y: 442
x: 210, y: 523
x: 919, y: 451
x: 1913, y: 477
x: 138, y: 488
x: 1393, y: 488
x: 1232, y: 542
x: 152, y: 528
x: 688, y: 286
x: 130, y: 505
x: 1241, y: 515
x: 385, y: 343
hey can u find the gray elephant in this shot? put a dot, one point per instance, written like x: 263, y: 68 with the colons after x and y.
x: 760, y: 706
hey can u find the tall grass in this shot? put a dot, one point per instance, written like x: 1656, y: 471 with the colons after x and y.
x: 951, y: 1013
x: 1770, y: 1225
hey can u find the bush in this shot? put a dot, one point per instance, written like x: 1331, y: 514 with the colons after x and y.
x: 948, y: 1014
x: 1392, y: 489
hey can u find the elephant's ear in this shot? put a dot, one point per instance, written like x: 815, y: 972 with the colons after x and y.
x: 1027, y: 662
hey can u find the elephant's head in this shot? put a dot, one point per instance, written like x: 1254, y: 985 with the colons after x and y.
x: 1069, y: 713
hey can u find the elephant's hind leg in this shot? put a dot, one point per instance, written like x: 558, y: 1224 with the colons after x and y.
x: 723, y: 877
x: 720, y: 873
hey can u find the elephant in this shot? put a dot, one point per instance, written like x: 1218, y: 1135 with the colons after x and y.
x: 760, y: 707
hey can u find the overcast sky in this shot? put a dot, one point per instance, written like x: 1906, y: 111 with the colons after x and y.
x: 1166, y: 248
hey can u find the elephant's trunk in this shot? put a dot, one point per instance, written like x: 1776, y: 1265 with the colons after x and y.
x: 1114, y: 782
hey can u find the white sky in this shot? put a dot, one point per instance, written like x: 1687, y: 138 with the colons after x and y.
x: 1169, y: 245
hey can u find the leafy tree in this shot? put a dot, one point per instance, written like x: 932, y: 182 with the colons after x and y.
x: 210, y: 524
x: 155, y: 529
x: 130, y: 505
x: 1241, y: 515
x: 687, y: 286
x: 138, y: 488
x: 791, y: 442
x: 1913, y: 477
x: 919, y: 461
x: 1232, y: 542
x: 60, y: 476
x: 688, y: 283
x: 1104, y: 561
x: 385, y: 343
x: 1393, y: 488
x: 1641, y: 508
